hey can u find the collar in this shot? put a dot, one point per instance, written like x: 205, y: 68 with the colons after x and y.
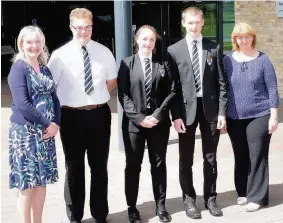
x: 77, y: 44
x: 142, y: 57
x: 189, y: 39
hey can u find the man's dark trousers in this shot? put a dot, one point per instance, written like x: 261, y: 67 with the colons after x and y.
x: 210, y: 137
x: 86, y: 131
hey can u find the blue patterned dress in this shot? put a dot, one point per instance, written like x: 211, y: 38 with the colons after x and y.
x: 32, y: 160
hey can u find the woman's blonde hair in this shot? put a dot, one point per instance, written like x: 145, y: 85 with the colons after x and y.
x: 157, y: 36
x: 43, y: 56
x: 80, y: 13
x: 240, y: 29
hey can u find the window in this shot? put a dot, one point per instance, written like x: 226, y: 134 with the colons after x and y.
x: 228, y: 24
x: 209, y: 30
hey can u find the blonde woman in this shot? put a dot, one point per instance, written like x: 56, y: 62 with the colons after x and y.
x: 34, y: 124
x: 252, y: 115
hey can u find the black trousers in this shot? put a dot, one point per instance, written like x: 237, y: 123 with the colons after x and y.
x: 157, y: 140
x: 86, y: 131
x: 210, y: 138
x: 250, y: 141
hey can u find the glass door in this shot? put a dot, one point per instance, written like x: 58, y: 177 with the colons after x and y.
x: 147, y: 13
x: 167, y: 20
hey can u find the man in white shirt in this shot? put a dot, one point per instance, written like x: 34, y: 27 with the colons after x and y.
x: 197, y: 62
x: 84, y: 72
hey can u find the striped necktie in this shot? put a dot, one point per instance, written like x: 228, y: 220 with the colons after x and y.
x: 196, y: 67
x: 147, y: 81
x: 88, y: 76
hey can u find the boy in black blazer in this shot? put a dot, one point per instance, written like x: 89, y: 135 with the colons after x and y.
x: 201, y: 100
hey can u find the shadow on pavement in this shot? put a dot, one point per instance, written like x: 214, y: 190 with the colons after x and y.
x: 175, y: 205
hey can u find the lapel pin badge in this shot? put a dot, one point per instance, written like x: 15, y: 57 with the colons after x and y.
x: 161, y: 72
x: 209, y: 60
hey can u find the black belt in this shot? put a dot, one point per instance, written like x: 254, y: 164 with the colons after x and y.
x: 87, y: 107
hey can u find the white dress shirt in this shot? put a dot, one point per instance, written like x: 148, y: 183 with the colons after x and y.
x: 189, y: 40
x: 142, y: 58
x: 67, y: 68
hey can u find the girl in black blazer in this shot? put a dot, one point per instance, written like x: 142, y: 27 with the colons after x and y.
x: 145, y: 89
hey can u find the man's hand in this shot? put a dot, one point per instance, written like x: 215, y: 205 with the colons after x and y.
x: 179, y: 126
x: 221, y: 123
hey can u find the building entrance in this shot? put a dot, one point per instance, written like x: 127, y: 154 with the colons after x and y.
x: 166, y: 18
x: 53, y: 18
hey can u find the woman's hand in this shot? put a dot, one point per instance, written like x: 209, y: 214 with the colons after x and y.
x: 147, y: 123
x: 152, y: 119
x: 272, y: 124
x: 50, y: 131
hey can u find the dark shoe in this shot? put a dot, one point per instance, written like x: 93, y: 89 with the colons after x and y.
x: 75, y: 222
x: 134, y: 215
x: 214, y: 210
x: 164, y: 216
x: 192, y: 211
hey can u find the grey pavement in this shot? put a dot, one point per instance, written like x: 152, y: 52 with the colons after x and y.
x: 54, y: 210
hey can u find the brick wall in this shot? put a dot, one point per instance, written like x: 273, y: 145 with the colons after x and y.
x: 269, y: 28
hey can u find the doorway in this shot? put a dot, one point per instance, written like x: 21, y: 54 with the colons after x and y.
x: 165, y: 17
x: 147, y: 13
